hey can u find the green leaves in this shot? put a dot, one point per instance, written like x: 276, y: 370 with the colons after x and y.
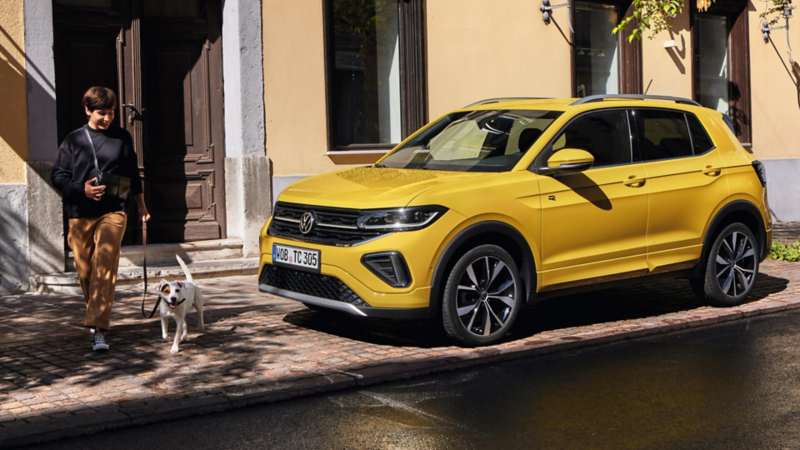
x: 785, y: 252
x: 777, y: 7
x: 651, y: 15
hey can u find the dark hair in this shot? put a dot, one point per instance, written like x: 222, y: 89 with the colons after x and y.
x: 98, y: 97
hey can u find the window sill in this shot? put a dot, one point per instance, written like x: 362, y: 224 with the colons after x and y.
x: 367, y: 156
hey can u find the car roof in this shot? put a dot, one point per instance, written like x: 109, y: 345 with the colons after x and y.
x: 586, y: 103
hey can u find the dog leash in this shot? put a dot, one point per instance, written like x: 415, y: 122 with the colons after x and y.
x: 144, y: 257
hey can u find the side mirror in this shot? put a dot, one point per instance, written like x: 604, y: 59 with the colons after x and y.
x: 568, y: 160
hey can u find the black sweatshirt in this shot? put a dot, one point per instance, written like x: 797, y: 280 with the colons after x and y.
x: 74, y: 166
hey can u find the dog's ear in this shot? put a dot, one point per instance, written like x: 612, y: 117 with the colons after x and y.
x: 160, y: 288
x: 180, y: 284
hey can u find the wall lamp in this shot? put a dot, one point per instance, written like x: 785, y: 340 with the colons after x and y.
x: 787, y: 14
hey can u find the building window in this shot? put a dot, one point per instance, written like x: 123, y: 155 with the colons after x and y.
x: 596, y: 49
x: 711, y: 57
x: 375, y: 72
x: 722, y: 62
x: 604, y: 63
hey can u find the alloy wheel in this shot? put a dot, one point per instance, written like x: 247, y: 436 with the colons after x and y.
x: 735, y: 264
x: 485, y: 296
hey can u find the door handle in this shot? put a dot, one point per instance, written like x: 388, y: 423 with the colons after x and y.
x: 134, y: 114
x: 712, y: 171
x: 632, y: 181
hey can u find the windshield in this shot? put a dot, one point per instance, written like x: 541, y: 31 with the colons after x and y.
x: 473, y: 141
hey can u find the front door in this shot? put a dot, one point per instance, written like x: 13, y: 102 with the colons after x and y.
x: 164, y: 61
x: 594, y: 223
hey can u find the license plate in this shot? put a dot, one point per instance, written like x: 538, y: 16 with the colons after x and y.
x: 296, y: 257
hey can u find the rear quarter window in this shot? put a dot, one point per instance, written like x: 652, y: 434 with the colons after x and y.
x: 700, y: 139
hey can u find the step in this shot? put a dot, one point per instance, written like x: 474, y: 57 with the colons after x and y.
x: 164, y: 254
x: 67, y: 283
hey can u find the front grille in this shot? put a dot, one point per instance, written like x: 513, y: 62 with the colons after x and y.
x: 335, y: 226
x: 313, y: 284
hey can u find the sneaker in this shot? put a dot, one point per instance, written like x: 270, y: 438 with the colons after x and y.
x: 99, y: 342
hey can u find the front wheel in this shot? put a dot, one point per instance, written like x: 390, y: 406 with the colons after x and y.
x: 482, y: 296
x: 731, y: 268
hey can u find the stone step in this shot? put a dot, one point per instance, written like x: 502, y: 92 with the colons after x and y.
x: 164, y: 254
x: 67, y: 283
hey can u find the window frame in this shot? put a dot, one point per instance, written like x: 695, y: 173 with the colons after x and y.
x: 413, y: 77
x: 740, y: 103
x: 635, y: 137
x: 630, y: 53
x: 640, y: 134
x: 540, y: 162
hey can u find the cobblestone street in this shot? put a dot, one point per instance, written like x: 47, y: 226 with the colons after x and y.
x: 260, y: 348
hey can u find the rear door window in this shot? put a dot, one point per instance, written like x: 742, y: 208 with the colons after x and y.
x: 662, y: 134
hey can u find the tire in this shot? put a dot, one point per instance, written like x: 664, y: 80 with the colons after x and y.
x: 468, y: 306
x: 731, y: 268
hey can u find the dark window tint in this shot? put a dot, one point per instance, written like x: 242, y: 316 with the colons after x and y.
x: 702, y: 143
x: 664, y: 134
x: 605, y: 135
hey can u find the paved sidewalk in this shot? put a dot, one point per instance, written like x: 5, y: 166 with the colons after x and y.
x: 260, y: 348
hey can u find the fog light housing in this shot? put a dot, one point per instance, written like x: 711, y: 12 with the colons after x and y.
x: 390, y: 267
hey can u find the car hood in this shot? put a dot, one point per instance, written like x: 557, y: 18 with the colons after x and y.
x: 367, y: 187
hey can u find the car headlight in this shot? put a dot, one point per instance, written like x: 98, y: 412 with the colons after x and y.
x: 400, y: 219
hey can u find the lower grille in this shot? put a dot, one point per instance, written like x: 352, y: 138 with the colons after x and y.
x: 313, y: 284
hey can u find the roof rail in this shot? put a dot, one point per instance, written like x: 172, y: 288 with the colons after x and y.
x: 600, y: 98
x: 502, y: 99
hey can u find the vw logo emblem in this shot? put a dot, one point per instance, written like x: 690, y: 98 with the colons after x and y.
x: 307, y: 222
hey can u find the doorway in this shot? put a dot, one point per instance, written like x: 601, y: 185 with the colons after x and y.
x: 164, y: 61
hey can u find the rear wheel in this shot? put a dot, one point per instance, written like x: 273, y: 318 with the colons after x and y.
x: 731, y: 268
x: 482, y: 296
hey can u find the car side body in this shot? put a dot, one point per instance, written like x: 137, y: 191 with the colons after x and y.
x: 565, y: 231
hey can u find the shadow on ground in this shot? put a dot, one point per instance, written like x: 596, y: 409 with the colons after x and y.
x: 632, y: 302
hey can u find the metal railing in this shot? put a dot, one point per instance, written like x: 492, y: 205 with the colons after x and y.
x: 600, y: 98
x: 504, y: 99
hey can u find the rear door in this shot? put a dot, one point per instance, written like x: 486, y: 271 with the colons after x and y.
x: 687, y: 182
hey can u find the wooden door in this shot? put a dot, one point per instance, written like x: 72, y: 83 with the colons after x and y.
x: 164, y: 61
x: 184, y: 139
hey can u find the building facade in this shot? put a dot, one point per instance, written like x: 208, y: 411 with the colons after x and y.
x: 229, y: 101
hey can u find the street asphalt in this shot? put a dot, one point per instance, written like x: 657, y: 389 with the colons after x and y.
x: 732, y: 385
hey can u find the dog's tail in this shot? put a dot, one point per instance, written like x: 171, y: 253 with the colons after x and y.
x: 185, y: 269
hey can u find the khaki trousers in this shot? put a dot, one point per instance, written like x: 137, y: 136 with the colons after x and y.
x: 95, y: 242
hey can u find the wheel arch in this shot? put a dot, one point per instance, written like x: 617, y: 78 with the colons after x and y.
x: 488, y: 232
x: 741, y: 211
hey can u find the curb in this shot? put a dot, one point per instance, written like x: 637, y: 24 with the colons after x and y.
x: 152, y: 410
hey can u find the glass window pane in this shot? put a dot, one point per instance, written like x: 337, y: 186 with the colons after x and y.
x: 366, y: 72
x: 711, y: 59
x: 605, y: 135
x: 596, y: 49
x: 664, y: 134
x: 475, y: 141
x: 702, y: 143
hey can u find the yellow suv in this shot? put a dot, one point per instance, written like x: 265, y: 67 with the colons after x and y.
x: 509, y: 201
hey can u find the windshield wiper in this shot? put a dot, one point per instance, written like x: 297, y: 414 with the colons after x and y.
x: 380, y: 166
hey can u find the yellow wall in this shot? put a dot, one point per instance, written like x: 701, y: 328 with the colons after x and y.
x: 480, y: 49
x: 294, y: 88
x: 477, y: 50
x: 776, y: 107
x: 669, y: 68
x: 13, y: 103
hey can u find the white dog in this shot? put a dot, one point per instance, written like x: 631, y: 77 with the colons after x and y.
x: 177, y: 298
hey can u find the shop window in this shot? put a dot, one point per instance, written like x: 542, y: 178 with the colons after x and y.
x: 722, y: 63
x: 602, y: 62
x: 375, y: 72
